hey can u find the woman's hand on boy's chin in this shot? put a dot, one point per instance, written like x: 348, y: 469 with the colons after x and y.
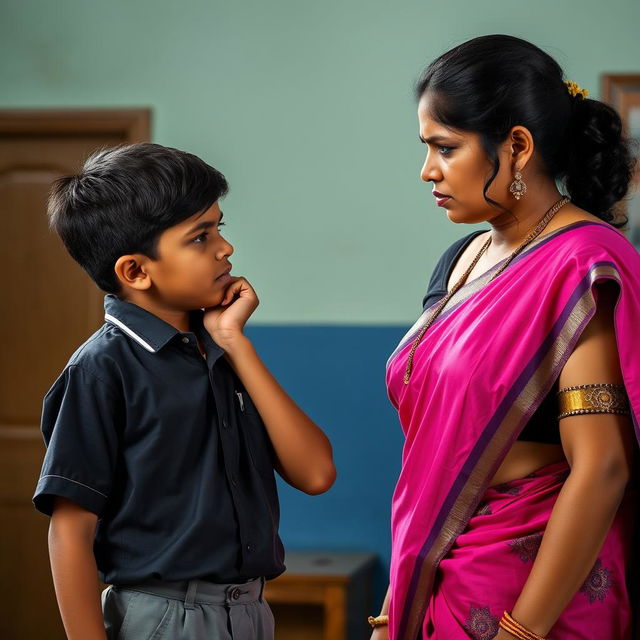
x: 226, y: 321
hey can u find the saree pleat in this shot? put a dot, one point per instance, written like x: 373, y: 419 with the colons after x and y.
x: 490, y: 562
x: 479, y: 374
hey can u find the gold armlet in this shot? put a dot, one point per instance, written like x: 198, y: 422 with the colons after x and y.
x: 593, y: 398
x: 516, y: 629
x: 378, y: 621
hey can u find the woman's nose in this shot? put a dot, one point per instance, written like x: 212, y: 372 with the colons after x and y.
x: 430, y: 171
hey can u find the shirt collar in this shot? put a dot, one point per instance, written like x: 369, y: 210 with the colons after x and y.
x: 149, y: 331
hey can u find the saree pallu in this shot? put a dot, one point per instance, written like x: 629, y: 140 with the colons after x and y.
x: 479, y: 374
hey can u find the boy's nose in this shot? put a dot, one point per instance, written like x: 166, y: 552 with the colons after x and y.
x: 224, y: 251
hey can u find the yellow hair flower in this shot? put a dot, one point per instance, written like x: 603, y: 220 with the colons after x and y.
x: 575, y: 90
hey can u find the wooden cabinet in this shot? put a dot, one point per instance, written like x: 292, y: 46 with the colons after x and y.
x: 322, y: 596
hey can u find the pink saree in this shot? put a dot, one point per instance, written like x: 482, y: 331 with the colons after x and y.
x: 461, y: 551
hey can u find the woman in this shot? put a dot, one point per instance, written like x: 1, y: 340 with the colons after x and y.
x: 519, y: 387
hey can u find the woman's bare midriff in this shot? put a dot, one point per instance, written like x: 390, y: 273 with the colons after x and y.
x: 525, y: 458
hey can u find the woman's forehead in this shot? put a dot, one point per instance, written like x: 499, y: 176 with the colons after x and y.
x: 430, y: 127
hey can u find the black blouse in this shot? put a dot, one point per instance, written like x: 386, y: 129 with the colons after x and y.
x: 543, y: 425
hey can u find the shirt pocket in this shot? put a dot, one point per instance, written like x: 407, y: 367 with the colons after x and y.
x: 255, y: 434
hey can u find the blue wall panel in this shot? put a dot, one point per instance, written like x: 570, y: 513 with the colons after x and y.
x: 337, y: 375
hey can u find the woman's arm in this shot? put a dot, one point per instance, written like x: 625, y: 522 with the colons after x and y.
x: 599, y: 450
x: 382, y: 633
x: 75, y: 576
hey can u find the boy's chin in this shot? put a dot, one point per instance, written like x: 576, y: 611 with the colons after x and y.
x: 203, y: 301
x: 212, y: 301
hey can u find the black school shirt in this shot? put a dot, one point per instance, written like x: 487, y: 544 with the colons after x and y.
x: 167, y: 449
x: 543, y: 425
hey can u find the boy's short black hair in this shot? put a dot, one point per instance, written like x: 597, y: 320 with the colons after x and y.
x: 123, y: 199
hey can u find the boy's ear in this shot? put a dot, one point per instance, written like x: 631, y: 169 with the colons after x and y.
x: 132, y: 273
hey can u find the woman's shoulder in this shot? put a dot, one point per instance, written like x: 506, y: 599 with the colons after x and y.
x: 583, y: 248
x: 588, y: 237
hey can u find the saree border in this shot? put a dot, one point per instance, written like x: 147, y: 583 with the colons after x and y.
x: 517, y: 406
x: 479, y: 283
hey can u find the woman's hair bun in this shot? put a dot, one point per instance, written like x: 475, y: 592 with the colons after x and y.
x: 600, y: 164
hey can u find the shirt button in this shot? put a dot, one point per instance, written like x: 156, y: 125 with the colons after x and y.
x: 225, y: 424
x: 185, y: 340
x: 235, y: 594
x: 249, y: 548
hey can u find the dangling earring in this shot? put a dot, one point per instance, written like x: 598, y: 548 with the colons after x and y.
x: 518, y: 187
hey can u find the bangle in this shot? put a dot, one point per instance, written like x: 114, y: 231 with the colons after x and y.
x: 516, y: 629
x: 378, y: 621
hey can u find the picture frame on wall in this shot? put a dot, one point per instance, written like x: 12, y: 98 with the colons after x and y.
x: 622, y: 92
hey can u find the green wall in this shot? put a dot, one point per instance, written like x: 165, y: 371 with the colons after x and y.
x: 307, y: 108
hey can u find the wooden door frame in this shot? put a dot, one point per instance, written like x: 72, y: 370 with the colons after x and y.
x: 133, y: 124
x: 622, y: 92
x: 46, y: 133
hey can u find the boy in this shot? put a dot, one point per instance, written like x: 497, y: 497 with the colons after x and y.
x: 159, y: 469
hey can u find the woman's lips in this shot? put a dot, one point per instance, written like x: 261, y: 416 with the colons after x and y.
x: 441, y: 198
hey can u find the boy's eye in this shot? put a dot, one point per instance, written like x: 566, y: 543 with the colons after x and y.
x: 200, y: 238
x: 221, y: 224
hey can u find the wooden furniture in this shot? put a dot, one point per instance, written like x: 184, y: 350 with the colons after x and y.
x: 322, y: 596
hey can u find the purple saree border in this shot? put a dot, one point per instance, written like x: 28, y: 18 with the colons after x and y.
x: 447, y: 312
x: 493, y: 424
x: 524, y: 254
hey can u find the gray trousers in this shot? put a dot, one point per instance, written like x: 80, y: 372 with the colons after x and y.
x: 188, y: 610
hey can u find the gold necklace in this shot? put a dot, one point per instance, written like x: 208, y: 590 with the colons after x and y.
x: 538, y: 229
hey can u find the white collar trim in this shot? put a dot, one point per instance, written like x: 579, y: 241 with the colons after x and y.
x: 109, y: 318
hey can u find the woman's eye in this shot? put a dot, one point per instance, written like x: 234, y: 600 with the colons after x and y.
x: 445, y: 151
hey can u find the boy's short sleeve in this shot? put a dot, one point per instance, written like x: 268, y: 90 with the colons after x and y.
x: 79, y: 425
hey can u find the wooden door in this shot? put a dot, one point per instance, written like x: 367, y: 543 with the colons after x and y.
x: 48, y: 307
